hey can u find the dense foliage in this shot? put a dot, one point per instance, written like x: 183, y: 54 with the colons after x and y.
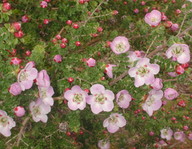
x: 86, y: 27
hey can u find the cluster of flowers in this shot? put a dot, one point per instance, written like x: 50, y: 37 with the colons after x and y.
x: 100, y: 100
x: 39, y: 108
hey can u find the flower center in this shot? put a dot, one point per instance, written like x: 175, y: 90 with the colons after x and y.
x: 177, y: 51
x: 150, y: 101
x: 36, y: 111
x: 113, y: 119
x: 100, y: 98
x: 43, y: 93
x: 3, y: 121
x: 142, y: 71
x: 78, y: 98
x: 120, y: 47
x: 153, y: 19
x: 23, y: 76
x: 165, y: 132
x: 121, y: 98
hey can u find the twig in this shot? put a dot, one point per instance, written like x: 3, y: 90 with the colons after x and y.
x: 118, y: 78
x: 22, y: 130
x: 151, y: 45
x: 185, y: 31
x: 170, y: 80
x: 182, y: 24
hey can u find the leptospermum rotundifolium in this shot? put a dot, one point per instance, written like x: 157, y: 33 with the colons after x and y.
x: 39, y: 110
x: 46, y: 93
x: 170, y: 94
x: 180, y: 136
x: 123, y: 99
x: 15, y: 89
x: 120, y: 45
x: 104, y: 144
x: 179, y: 53
x: 134, y: 56
x: 157, y: 84
x: 153, y: 18
x: 101, y: 99
x: 109, y: 70
x: 6, y: 124
x: 76, y: 98
x: 43, y: 79
x: 144, y: 72
x: 153, y: 102
x: 166, y: 133
x: 27, y: 75
x: 114, y: 122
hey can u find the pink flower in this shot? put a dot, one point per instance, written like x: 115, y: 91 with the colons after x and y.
x: 123, y: 99
x: 15, y: 89
x: 135, y: 56
x: 6, y: 123
x: 16, y: 26
x: 91, y: 62
x: 15, y: 61
x: 25, y: 18
x: 19, y: 111
x: 153, y: 102
x: 109, y: 70
x: 190, y: 136
x: 179, y: 136
x: 144, y: 72
x: 26, y: 76
x: 43, y: 79
x: 153, y: 18
x: 46, y: 93
x: 179, y: 52
x: 43, y: 4
x: 101, y: 99
x: 57, y: 58
x: 39, y: 110
x: 113, y: 122
x: 120, y: 45
x: 170, y: 94
x: 157, y: 84
x: 104, y: 144
x: 76, y: 98
x: 166, y: 133
x: 174, y: 27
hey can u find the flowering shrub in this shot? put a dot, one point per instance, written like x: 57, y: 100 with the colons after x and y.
x: 95, y: 74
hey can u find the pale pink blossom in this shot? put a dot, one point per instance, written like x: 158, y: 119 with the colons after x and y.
x: 91, y: 62
x: 190, y: 136
x: 179, y: 53
x: 27, y: 75
x: 166, y: 133
x: 76, y: 98
x: 19, y: 111
x: 15, y: 89
x: 180, y: 136
x: 6, y: 124
x: 104, y: 144
x: 153, y: 102
x: 109, y: 70
x: 114, y: 122
x: 15, y: 61
x: 43, y: 79
x: 25, y: 18
x: 170, y: 94
x: 43, y: 4
x: 123, y: 99
x: 46, y: 93
x: 174, y: 27
x: 16, y: 26
x: 135, y: 56
x: 157, y: 84
x: 39, y: 110
x: 144, y: 72
x: 153, y: 18
x: 101, y: 99
x: 57, y: 58
x: 120, y: 45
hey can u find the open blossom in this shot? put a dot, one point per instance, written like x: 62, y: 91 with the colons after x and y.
x: 109, y: 70
x: 113, y: 122
x: 153, y: 18
x: 120, y: 45
x: 15, y: 89
x: 170, y: 94
x: 180, y: 135
x: 43, y: 79
x: 76, y: 98
x: 101, y: 99
x: 135, y: 56
x: 6, y: 124
x: 104, y: 144
x: 166, y: 133
x: 153, y: 102
x: 157, y: 84
x: 179, y: 53
x: 46, y: 93
x: 91, y: 62
x: 144, y: 72
x: 39, y: 110
x: 123, y: 99
x: 26, y: 76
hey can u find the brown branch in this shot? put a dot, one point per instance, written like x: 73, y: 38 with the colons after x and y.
x: 118, y: 78
x: 21, y: 132
x: 169, y: 80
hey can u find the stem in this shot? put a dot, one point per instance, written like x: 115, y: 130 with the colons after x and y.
x: 151, y: 45
x: 182, y: 24
x: 118, y: 78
